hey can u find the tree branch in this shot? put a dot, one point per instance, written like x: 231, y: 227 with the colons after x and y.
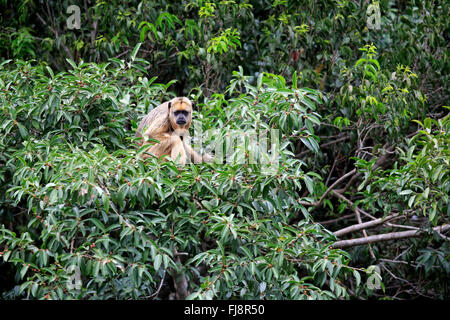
x: 358, y: 216
x: 364, y: 225
x: 155, y: 295
x: 318, y: 203
x: 352, y: 205
x: 351, y: 215
x: 386, y: 237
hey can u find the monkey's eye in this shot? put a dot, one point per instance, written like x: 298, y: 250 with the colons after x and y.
x: 183, y: 112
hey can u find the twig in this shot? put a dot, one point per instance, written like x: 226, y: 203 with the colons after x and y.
x: 56, y: 35
x: 331, y: 170
x: 159, y: 287
x: 337, y: 219
x: 442, y: 236
x: 301, y: 154
x: 364, y: 232
x: 377, y: 164
x: 394, y: 261
x: 401, y: 226
x: 342, y: 197
x: 71, y: 245
x: 318, y: 203
x: 358, y: 216
x: 121, y: 54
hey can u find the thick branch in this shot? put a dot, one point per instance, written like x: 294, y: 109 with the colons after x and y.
x: 365, y: 225
x: 386, y: 237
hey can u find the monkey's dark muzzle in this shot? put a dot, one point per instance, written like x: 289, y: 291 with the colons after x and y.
x: 181, y: 122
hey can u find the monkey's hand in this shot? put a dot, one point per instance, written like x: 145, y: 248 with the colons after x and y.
x: 207, y: 158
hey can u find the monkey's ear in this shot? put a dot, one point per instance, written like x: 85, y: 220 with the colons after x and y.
x: 170, y: 104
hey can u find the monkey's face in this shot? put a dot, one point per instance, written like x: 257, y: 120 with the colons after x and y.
x: 180, y: 113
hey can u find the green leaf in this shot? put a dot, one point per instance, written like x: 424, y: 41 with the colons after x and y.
x: 135, y: 51
x: 426, y: 193
x: 359, y: 62
x: 105, y: 201
x: 375, y: 62
x: 6, y: 255
x: 157, y: 262
x: 97, y: 223
x: 357, y: 277
x: 72, y: 63
x: 34, y: 289
x: 410, y: 201
x: 436, y: 172
x: 294, y: 80
x: 50, y: 71
x: 143, y: 34
x: 24, y: 270
x: 23, y: 131
x: 309, y: 184
x: 259, y: 80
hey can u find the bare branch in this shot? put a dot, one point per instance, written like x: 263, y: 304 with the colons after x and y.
x: 357, y: 212
x: 318, y: 203
x: 342, y: 197
x: 351, y: 215
x: 365, y: 225
x: 385, y: 237
x: 155, y: 295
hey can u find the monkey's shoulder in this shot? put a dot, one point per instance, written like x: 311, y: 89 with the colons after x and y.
x: 156, y: 119
x: 160, y: 111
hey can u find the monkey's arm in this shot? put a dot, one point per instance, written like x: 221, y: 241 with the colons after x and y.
x: 164, y: 147
x: 171, y: 145
x: 193, y: 155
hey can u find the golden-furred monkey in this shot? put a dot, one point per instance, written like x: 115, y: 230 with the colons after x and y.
x: 169, y: 124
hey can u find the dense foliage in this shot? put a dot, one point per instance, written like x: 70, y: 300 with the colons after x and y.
x: 357, y: 137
